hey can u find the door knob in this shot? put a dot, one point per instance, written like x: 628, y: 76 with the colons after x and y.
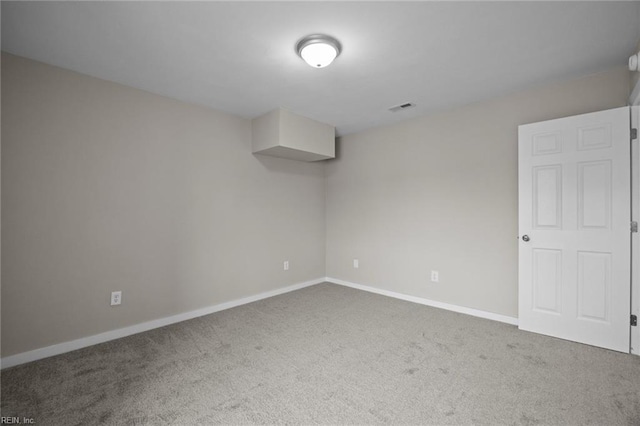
x: 525, y: 238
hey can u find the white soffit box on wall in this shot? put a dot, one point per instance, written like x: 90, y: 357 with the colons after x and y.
x: 281, y: 133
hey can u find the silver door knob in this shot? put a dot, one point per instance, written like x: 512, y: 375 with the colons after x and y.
x: 525, y: 238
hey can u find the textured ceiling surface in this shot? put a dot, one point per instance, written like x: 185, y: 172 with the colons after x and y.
x: 239, y: 57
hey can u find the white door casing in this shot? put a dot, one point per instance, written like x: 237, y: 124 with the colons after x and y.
x: 635, y: 216
x: 574, y: 209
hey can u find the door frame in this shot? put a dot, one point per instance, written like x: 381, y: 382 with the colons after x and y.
x: 634, y: 103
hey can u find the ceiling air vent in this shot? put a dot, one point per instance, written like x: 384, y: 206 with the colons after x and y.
x: 402, y: 107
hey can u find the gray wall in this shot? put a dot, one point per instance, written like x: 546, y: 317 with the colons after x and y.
x: 441, y: 193
x: 105, y: 187
x: 635, y: 76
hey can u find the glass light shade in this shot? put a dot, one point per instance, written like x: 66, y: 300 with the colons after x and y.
x: 318, y: 50
x: 318, y: 55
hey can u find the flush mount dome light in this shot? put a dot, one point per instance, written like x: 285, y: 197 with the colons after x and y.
x: 318, y: 50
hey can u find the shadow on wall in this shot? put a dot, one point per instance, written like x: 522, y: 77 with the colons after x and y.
x: 338, y: 150
x: 287, y: 166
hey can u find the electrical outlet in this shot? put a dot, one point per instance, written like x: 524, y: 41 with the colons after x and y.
x: 116, y: 298
x: 286, y: 265
x: 356, y: 263
x: 435, y: 276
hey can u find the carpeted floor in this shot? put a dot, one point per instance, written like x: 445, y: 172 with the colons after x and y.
x: 333, y: 355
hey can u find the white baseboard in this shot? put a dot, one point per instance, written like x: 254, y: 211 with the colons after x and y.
x: 433, y: 303
x: 61, y: 348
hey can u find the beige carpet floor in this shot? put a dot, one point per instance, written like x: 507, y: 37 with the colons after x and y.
x: 330, y: 355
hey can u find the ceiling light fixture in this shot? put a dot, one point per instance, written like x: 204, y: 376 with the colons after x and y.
x: 318, y: 50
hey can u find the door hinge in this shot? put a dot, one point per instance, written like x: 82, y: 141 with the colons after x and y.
x: 634, y: 226
x: 634, y: 134
x: 634, y: 320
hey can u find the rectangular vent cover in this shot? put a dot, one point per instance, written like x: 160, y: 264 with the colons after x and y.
x: 401, y: 107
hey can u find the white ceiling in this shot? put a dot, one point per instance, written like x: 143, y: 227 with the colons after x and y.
x: 239, y: 56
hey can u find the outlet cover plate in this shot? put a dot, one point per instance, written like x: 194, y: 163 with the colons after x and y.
x: 116, y: 298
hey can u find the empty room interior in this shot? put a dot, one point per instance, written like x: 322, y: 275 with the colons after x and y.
x: 320, y: 213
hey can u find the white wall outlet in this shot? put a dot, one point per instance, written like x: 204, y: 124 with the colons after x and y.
x: 435, y: 276
x: 116, y: 298
x: 356, y: 263
x: 286, y: 265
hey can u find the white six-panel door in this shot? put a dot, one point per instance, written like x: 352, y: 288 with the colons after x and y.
x: 574, y: 218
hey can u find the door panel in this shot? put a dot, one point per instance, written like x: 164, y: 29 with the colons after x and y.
x: 594, y: 286
x: 574, y: 206
x: 547, y: 197
x: 547, y: 280
x: 594, y: 195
